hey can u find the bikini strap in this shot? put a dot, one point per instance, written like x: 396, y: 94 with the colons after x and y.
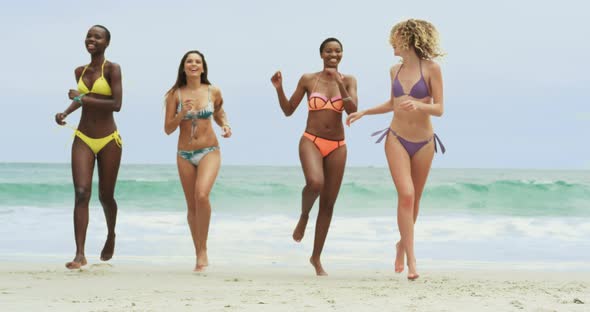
x: 437, y: 140
x: 316, y: 83
x: 209, y: 93
x: 398, y: 70
x: 102, y: 68
x: 421, y: 75
x: 83, y: 71
x: 383, y: 133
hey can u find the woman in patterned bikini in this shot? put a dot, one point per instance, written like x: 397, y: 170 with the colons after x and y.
x: 191, y: 105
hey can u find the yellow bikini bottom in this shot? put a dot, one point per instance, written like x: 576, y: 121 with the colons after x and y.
x: 97, y: 144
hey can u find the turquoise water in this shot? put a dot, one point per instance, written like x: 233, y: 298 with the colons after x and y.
x: 364, y: 192
x: 466, y: 214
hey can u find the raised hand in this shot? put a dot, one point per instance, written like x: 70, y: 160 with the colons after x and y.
x: 187, y: 105
x: 277, y: 79
x: 73, y: 93
x: 226, y: 131
x: 332, y: 72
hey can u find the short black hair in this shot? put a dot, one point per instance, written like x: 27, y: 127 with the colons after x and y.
x: 106, y: 30
x: 329, y: 40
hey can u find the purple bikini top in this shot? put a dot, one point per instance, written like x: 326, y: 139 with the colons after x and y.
x: 418, y: 91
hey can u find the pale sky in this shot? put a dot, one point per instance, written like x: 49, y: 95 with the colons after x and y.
x: 515, y: 75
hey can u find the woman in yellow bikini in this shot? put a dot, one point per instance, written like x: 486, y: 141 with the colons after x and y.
x: 96, y: 139
x: 322, y: 149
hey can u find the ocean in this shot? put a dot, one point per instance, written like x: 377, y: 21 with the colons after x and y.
x: 468, y: 217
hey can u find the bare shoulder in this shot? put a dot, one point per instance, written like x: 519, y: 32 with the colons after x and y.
x: 171, y: 96
x: 78, y: 71
x: 215, y: 91
x: 431, y: 66
x: 394, y: 69
x: 113, y: 66
x: 349, y: 78
x: 307, y: 77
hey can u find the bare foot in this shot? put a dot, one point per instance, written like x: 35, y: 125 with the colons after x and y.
x: 109, y: 248
x: 399, y: 258
x: 78, y: 262
x: 412, y: 274
x: 202, y: 261
x: 300, y: 228
x: 199, y: 268
x: 317, y: 265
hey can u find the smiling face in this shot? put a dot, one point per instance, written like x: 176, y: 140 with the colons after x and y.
x: 331, y: 54
x: 96, y: 40
x: 193, y: 65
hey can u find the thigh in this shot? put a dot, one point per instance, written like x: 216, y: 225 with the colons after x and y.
x: 334, y: 165
x: 311, y: 161
x: 82, y: 164
x: 399, y: 165
x: 188, y: 176
x: 421, y: 163
x: 207, y: 172
x: 109, y: 161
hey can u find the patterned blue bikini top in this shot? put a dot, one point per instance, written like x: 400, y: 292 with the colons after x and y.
x: 204, y: 113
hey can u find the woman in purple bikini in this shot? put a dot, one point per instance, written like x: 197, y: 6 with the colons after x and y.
x: 416, y: 94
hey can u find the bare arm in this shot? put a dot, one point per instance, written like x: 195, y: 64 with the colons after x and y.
x: 436, y: 84
x: 172, y: 119
x: 349, y: 95
x: 219, y: 114
x: 288, y: 106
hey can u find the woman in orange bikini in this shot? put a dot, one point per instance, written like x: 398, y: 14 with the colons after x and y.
x: 322, y: 149
x: 416, y: 94
x: 96, y: 140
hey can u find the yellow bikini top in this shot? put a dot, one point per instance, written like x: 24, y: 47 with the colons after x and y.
x: 100, y: 86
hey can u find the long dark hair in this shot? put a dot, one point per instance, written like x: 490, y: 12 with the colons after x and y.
x: 181, y: 78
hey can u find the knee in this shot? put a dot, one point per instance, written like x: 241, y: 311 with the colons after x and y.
x: 315, y: 185
x: 202, y: 198
x: 406, y: 198
x: 82, y: 194
x: 106, y: 198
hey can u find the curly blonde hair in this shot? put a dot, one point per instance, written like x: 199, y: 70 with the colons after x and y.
x: 418, y: 34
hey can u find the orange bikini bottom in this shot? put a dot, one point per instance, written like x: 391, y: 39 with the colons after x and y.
x: 324, y: 145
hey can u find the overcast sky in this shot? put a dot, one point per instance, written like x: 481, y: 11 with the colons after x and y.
x: 515, y: 75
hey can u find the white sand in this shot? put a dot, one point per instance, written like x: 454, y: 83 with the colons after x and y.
x: 127, y: 287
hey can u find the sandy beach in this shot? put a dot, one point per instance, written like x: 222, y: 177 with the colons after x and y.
x: 128, y: 287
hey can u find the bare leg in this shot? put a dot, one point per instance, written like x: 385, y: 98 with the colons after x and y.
x: 400, y: 168
x: 82, y: 170
x: 311, y: 163
x: 206, y: 174
x: 420, y: 167
x: 188, y: 177
x: 109, y: 160
x: 334, y: 165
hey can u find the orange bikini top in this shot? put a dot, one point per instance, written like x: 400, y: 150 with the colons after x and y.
x: 317, y: 101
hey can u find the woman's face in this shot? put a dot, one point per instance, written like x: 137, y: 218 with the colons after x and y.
x: 397, y: 46
x: 332, y: 54
x: 193, y: 65
x: 96, y: 40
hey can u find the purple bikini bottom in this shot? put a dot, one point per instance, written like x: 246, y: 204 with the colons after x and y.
x: 411, y: 147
